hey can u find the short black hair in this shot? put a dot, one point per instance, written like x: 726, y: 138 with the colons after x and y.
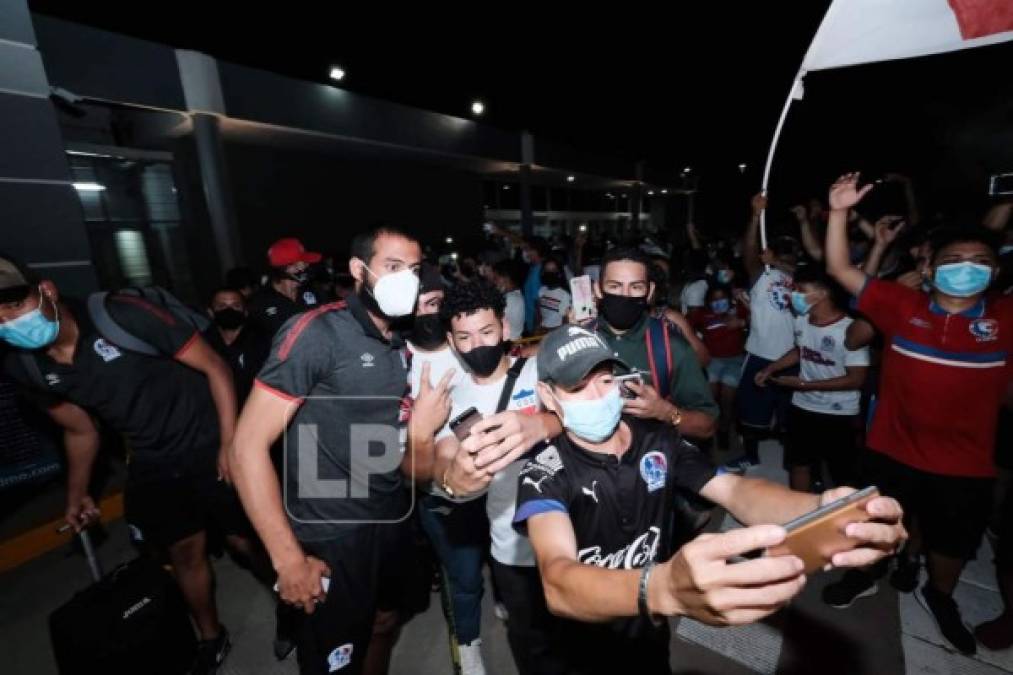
x: 786, y: 248
x: 945, y: 236
x: 715, y: 287
x: 816, y: 274
x: 226, y: 289
x: 540, y: 245
x: 364, y: 244
x: 623, y: 254
x: 512, y: 270
x: 471, y: 297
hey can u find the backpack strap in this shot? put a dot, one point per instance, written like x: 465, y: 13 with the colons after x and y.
x: 508, y: 385
x: 112, y: 331
x: 659, y: 355
x: 31, y: 367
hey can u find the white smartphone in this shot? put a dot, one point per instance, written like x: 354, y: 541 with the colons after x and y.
x: 583, y: 298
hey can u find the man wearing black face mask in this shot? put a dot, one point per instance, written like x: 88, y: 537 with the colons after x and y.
x: 242, y: 345
x: 486, y: 463
x: 286, y: 295
x: 674, y: 389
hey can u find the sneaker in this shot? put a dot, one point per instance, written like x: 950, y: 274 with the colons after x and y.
x: 996, y: 634
x: 471, y: 658
x: 284, y: 631
x: 855, y: 584
x: 500, y: 610
x: 739, y: 465
x: 905, y: 576
x: 943, y: 610
x: 211, y: 653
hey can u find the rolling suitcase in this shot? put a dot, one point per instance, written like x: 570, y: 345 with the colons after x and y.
x: 132, y: 620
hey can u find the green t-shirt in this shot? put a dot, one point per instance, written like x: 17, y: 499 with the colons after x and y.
x: 689, y: 389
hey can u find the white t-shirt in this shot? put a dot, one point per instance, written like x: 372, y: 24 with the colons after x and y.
x: 439, y: 362
x: 824, y: 356
x: 693, y: 294
x: 771, y: 323
x: 514, y: 313
x: 554, y: 303
x: 508, y: 546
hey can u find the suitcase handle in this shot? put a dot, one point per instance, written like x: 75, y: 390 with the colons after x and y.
x: 89, y: 551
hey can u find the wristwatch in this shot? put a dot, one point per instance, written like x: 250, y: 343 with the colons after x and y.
x: 675, y: 417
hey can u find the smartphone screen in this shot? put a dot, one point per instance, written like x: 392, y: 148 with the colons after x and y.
x: 582, y: 296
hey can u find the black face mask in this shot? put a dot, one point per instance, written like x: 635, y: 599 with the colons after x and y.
x: 229, y: 318
x: 428, y: 332
x: 622, y: 311
x: 552, y: 280
x: 298, y: 277
x: 482, y: 361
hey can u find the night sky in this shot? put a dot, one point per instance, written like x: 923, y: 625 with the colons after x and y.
x: 701, y: 87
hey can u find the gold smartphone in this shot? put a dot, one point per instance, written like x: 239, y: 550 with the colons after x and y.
x: 817, y: 536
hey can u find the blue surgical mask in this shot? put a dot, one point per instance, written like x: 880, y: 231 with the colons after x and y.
x: 721, y: 306
x: 30, y: 331
x: 724, y: 276
x: 799, y: 303
x: 593, y: 420
x: 962, y: 279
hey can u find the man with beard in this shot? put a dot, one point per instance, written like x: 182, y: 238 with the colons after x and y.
x: 336, y: 378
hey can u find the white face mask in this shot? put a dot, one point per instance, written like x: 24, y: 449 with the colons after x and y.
x: 396, y: 293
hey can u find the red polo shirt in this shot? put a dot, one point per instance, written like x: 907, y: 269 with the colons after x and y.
x: 944, y: 378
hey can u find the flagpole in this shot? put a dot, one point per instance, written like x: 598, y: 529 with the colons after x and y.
x: 793, y: 93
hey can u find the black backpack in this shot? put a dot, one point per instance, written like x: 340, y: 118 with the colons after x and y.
x: 98, y: 312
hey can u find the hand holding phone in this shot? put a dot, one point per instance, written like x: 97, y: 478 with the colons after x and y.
x: 462, y: 424
x: 817, y: 536
x: 624, y: 389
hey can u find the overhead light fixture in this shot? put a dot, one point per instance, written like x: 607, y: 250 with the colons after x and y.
x: 506, y: 187
x: 570, y: 179
x: 89, y: 187
x: 664, y: 191
x: 650, y: 193
x: 337, y: 73
x: 477, y: 108
x: 583, y: 227
x: 742, y: 167
x: 453, y: 256
x: 687, y: 169
x: 450, y: 240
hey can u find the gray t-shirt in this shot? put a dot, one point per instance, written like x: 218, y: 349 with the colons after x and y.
x: 342, y: 454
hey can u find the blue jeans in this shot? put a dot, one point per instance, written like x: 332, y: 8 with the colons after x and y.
x: 459, y: 534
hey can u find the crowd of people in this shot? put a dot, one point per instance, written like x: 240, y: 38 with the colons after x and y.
x: 352, y: 430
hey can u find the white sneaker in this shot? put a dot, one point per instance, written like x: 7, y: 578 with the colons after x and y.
x: 500, y: 610
x: 471, y: 658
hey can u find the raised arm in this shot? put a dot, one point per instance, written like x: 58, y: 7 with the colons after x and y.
x: 844, y: 194
x: 751, y: 239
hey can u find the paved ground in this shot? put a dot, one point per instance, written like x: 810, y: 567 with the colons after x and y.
x: 882, y: 635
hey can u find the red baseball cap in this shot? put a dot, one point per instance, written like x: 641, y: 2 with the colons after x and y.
x: 289, y: 251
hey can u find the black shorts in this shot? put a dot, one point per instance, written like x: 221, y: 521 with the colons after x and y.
x: 761, y: 407
x: 372, y: 569
x: 814, y: 438
x: 951, y: 511
x: 182, y: 504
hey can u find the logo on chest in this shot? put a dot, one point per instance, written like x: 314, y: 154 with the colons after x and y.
x: 827, y: 344
x: 984, y: 330
x: 107, y: 351
x: 367, y: 360
x: 52, y: 379
x: 654, y: 470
